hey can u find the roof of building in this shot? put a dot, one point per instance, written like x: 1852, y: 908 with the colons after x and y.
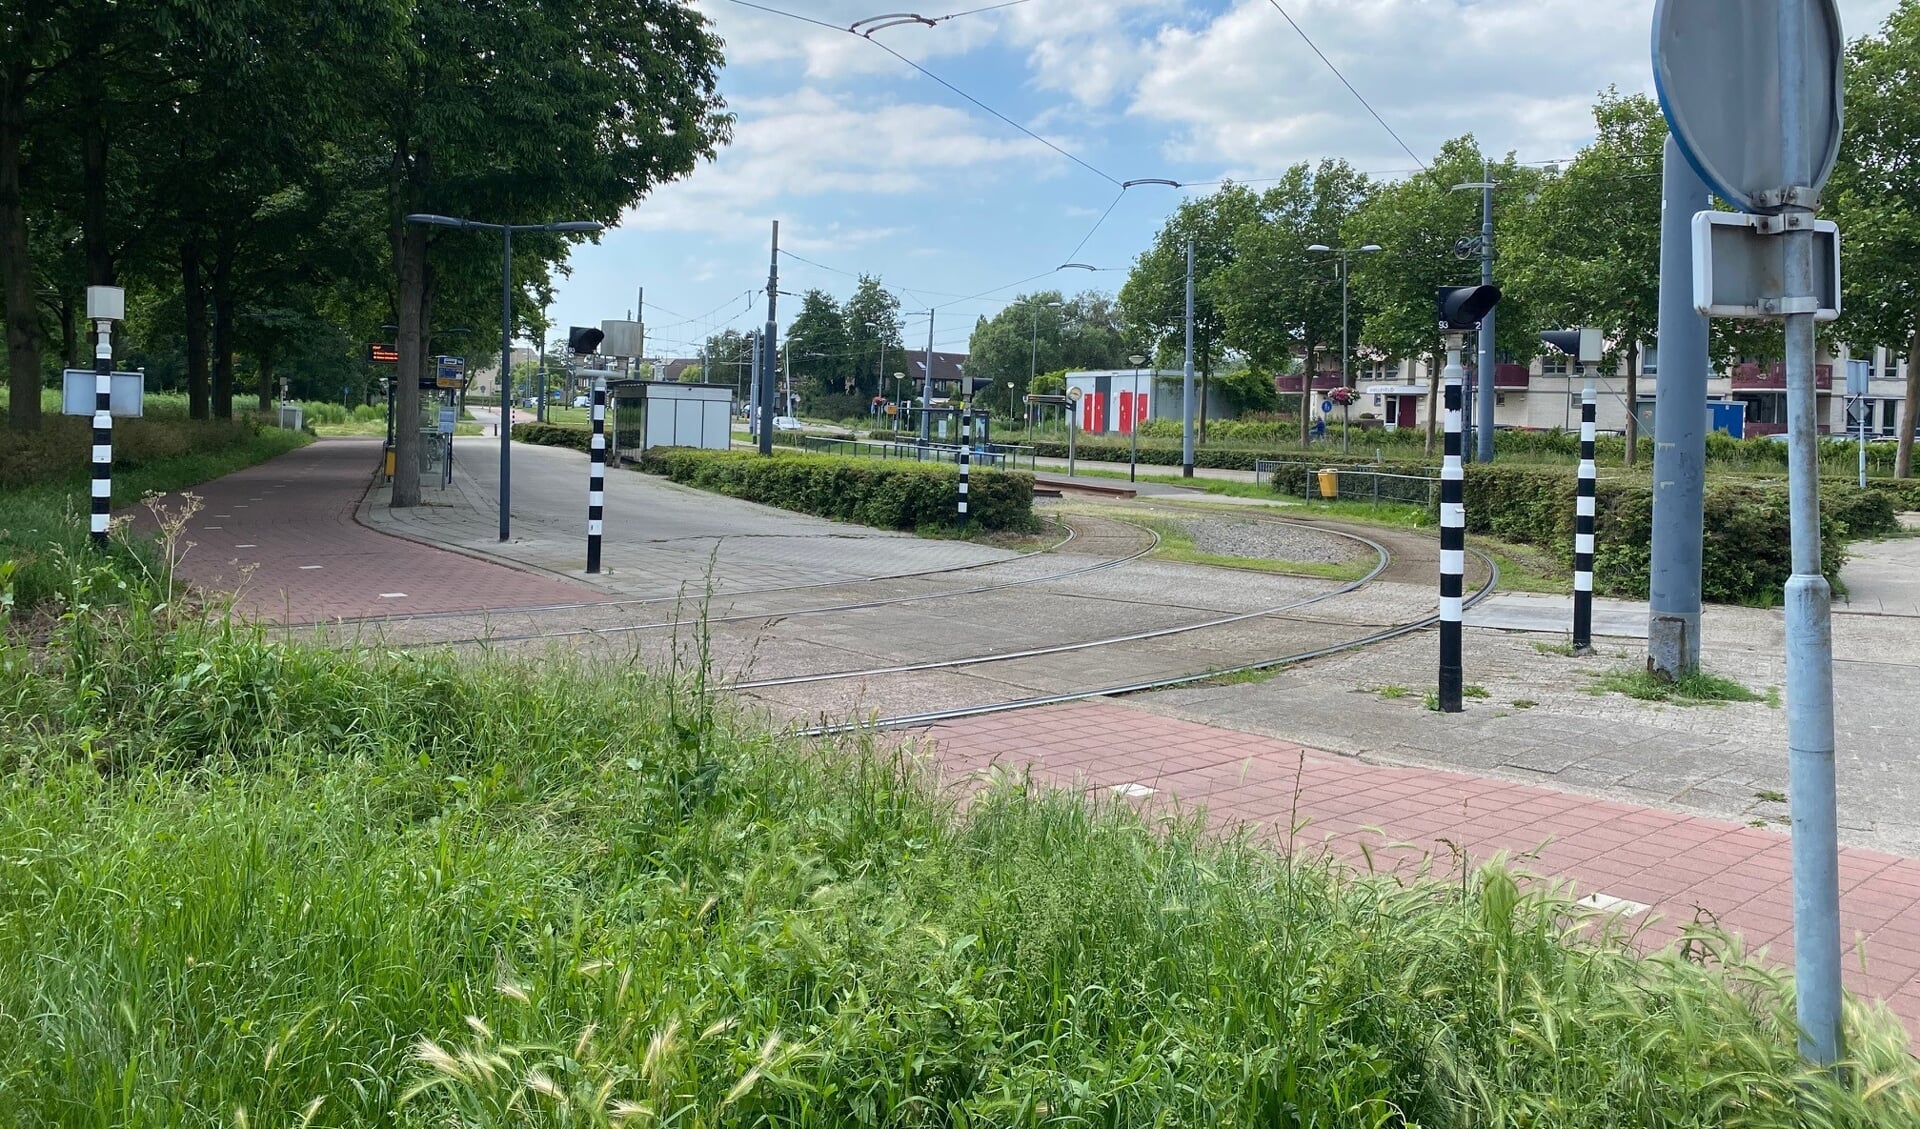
x: 947, y: 367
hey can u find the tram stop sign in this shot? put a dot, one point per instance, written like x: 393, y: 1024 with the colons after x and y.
x: 1717, y: 68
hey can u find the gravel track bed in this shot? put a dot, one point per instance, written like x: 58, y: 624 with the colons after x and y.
x: 1267, y: 541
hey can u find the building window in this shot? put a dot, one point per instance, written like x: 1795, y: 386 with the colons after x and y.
x: 1650, y: 360
x: 1555, y: 364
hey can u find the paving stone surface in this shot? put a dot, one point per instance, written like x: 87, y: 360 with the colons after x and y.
x: 283, y: 537
x: 1681, y: 867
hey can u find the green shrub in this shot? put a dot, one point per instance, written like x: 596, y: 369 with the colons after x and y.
x: 880, y: 493
x: 554, y: 435
x: 1745, y: 550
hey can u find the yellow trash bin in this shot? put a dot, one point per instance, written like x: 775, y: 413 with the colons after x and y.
x: 1329, y: 482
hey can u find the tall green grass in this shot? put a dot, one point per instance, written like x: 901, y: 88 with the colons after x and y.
x: 250, y: 881
x: 45, y: 491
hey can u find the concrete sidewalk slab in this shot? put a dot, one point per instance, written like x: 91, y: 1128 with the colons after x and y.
x: 283, y: 536
x: 1682, y: 867
x: 1514, y: 611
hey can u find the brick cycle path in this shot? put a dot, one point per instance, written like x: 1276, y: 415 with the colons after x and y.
x: 283, y: 536
x: 1679, y: 867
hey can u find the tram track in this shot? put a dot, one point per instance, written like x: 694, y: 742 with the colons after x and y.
x: 598, y: 631
x: 1385, y: 559
x: 643, y: 601
x: 933, y: 717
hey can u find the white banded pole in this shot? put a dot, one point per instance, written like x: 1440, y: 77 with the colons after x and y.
x: 102, y: 433
x: 1583, y: 530
x: 1453, y: 536
x: 966, y: 458
x: 597, y: 472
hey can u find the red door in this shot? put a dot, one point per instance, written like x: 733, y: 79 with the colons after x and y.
x: 1403, y: 406
x: 1126, y: 413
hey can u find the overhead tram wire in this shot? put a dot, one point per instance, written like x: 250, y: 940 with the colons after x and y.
x: 1343, y: 81
x: 943, y: 82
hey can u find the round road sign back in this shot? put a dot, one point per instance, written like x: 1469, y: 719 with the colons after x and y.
x: 1717, y: 67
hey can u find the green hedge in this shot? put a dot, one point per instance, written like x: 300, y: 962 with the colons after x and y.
x: 1745, y: 552
x: 553, y: 435
x: 888, y: 495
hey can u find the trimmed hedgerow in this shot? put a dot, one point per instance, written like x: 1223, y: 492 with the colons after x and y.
x: 1745, y: 549
x: 888, y: 495
x: 553, y: 435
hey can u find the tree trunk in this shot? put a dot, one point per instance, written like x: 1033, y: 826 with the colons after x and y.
x: 264, y: 362
x: 193, y: 300
x: 69, y: 340
x: 1910, y: 413
x: 411, y: 260
x: 222, y: 336
x: 23, y: 322
x: 1433, y: 398
x: 1633, y: 403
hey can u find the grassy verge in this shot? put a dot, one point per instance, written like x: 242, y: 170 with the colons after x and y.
x: 43, y: 517
x: 259, y: 883
x: 1177, y: 544
x: 1697, y: 688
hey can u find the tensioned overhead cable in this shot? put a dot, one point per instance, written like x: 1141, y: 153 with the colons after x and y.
x: 1343, y: 81
x: 943, y: 82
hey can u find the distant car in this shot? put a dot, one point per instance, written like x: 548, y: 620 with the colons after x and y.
x: 785, y: 423
x: 582, y: 401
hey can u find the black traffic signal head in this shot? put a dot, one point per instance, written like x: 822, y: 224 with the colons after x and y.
x: 1461, y: 307
x: 584, y: 340
x: 1565, y: 340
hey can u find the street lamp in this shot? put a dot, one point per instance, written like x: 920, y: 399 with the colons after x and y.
x: 1033, y: 348
x: 1133, y: 451
x: 1344, y: 264
x: 506, y: 231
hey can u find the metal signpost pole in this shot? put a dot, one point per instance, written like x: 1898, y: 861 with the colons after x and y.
x: 763, y: 427
x: 506, y: 376
x: 1186, y: 387
x: 1583, y: 528
x: 1679, y: 432
x: 104, y: 303
x: 597, y: 473
x: 926, y: 388
x: 1810, y: 771
x: 1722, y: 68
x: 1483, y: 378
x: 1453, y: 535
x: 966, y: 458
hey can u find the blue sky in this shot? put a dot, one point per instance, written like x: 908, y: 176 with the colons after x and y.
x: 871, y: 166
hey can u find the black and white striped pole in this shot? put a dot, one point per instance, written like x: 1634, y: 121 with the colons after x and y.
x: 1583, y: 530
x: 105, y: 305
x: 1453, y: 535
x: 966, y: 458
x: 1582, y: 346
x: 597, y: 473
x: 1460, y: 309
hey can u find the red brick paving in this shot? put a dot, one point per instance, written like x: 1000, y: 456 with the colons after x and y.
x: 284, y: 516
x: 1680, y: 865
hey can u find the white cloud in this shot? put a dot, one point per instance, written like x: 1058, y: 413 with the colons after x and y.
x: 815, y: 144
x: 1244, y: 90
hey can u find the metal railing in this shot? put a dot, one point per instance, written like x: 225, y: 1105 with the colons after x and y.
x: 998, y: 455
x: 1301, y: 479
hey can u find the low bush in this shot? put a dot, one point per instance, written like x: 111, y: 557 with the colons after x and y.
x: 554, y: 435
x: 263, y: 883
x: 876, y: 492
x: 1746, y: 557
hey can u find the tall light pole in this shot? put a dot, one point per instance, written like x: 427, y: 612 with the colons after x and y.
x: 506, y: 231
x: 1033, y: 348
x: 1343, y: 262
x: 1133, y: 432
x: 1481, y: 417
